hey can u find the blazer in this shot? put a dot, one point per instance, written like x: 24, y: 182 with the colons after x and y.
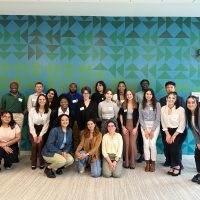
x: 55, y: 140
x: 94, y: 149
x: 135, y: 116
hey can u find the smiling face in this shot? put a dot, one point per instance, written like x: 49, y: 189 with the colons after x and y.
x: 50, y: 95
x: 86, y: 95
x: 170, y: 88
x: 144, y: 85
x: 129, y: 95
x: 64, y: 103
x: 191, y: 104
x: 6, y: 118
x: 39, y: 88
x: 64, y: 121
x: 148, y: 96
x: 111, y: 127
x: 121, y: 87
x: 14, y: 88
x: 42, y: 100
x: 171, y: 99
x: 91, y: 125
x: 109, y: 95
x: 100, y: 88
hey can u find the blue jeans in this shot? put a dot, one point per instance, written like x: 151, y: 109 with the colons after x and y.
x: 95, y: 166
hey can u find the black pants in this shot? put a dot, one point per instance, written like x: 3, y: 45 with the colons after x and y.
x: 10, y: 158
x: 197, y: 159
x: 140, y: 141
x: 174, y: 150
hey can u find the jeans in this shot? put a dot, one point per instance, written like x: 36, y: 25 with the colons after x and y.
x: 95, y: 166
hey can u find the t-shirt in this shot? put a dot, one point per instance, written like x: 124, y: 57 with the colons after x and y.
x: 7, y: 134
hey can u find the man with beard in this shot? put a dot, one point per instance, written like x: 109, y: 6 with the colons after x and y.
x: 74, y: 97
x: 170, y: 86
x: 15, y: 103
x: 139, y: 97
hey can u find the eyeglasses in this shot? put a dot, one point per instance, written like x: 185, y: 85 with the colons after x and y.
x: 85, y: 93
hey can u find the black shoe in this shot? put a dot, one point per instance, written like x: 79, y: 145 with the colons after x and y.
x: 176, y: 173
x: 140, y: 159
x: 181, y: 165
x: 59, y: 171
x: 196, y: 178
x: 41, y: 166
x: 33, y: 167
x: 49, y: 173
x: 166, y: 164
x: 170, y: 172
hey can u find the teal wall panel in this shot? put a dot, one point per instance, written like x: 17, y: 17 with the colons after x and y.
x: 59, y: 50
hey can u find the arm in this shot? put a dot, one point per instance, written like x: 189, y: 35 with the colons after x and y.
x: 46, y: 124
x: 157, y: 120
x: 120, y: 148
x: 3, y: 103
x: 68, y: 148
x: 30, y: 122
x: 29, y: 103
x: 116, y: 109
x: 100, y: 110
x: 141, y: 118
x: 80, y: 146
x: 164, y: 118
x: 97, y: 144
x: 182, y: 120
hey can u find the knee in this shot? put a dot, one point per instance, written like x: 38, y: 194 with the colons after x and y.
x: 96, y: 174
x: 116, y: 175
x: 70, y: 160
x: 107, y: 174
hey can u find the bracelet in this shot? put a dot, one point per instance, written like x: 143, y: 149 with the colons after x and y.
x: 116, y: 161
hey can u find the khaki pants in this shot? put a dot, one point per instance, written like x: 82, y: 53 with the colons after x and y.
x: 19, y: 118
x: 58, y: 161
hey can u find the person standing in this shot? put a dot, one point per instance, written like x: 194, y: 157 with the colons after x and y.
x: 39, y: 87
x: 193, y: 117
x: 170, y: 86
x: 139, y: 97
x: 15, y: 103
x: 149, y: 116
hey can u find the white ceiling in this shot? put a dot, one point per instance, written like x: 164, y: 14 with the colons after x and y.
x: 151, y: 8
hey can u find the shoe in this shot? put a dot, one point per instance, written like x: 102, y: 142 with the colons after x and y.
x: 166, y: 164
x: 59, y: 171
x: 49, y: 173
x: 170, y: 172
x: 181, y: 165
x: 140, y: 159
x: 33, y: 167
x: 152, y: 166
x: 196, y: 178
x: 41, y: 166
x: 82, y: 170
x: 132, y: 167
x: 177, y: 173
x: 147, y: 168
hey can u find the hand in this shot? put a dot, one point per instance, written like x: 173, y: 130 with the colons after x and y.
x: 146, y: 134
x: 173, y: 138
x: 2, y: 144
x: 8, y: 149
x: 39, y: 139
x: 134, y: 131
x: 198, y: 146
x: 151, y: 135
x: 78, y: 154
x: 35, y: 139
x: 112, y: 167
x: 64, y: 154
x: 168, y: 139
x: 124, y: 130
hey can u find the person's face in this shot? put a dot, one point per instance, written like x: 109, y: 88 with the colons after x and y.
x: 72, y: 88
x: 50, y: 94
x: 42, y: 101
x: 91, y: 125
x: 109, y: 95
x: 6, y: 118
x: 64, y: 103
x: 99, y: 87
x: 129, y: 95
x: 121, y: 87
x: 14, y: 88
x: 171, y: 99
x: 111, y: 127
x: 191, y: 104
x: 64, y: 121
x: 144, y: 85
x: 39, y: 88
x: 148, y: 96
x: 170, y: 88
x: 86, y: 95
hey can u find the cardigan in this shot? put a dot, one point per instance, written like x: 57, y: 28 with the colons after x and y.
x: 94, y: 149
x: 55, y: 141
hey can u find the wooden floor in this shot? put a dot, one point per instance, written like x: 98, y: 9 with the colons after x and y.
x: 23, y: 183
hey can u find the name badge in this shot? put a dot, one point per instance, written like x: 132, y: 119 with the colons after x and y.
x: 150, y: 108
x: 75, y: 101
x: 102, y: 98
x: 20, y: 99
x: 82, y: 108
x: 125, y: 110
x: 110, y: 108
x: 34, y: 100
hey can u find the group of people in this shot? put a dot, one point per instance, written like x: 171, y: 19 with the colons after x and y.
x: 103, y: 130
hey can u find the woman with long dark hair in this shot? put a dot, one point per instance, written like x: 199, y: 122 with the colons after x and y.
x: 149, y: 117
x: 38, y: 118
x: 193, y: 117
x: 88, y: 151
x: 9, y: 137
x: 173, y: 122
x: 52, y: 97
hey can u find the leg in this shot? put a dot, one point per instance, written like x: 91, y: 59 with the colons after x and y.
x: 33, y: 152
x: 140, y: 145
x: 133, y: 149
x: 106, y: 170
x: 126, y: 149
x: 118, y: 171
x: 69, y: 160
x: 75, y: 135
x: 82, y: 163
x: 197, y: 159
x: 40, y: 146
x: 96, y: 168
